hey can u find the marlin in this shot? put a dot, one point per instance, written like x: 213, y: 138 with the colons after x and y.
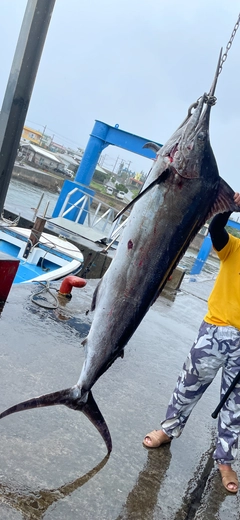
x: 182, y: 191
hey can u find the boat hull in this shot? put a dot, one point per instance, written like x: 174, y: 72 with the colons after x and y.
x: 50, y: 259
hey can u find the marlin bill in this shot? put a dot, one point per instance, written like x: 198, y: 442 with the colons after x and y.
x: 182, y: 191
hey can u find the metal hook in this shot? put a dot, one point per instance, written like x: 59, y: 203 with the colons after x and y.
x: 193, y: 105
x: 213, y: 87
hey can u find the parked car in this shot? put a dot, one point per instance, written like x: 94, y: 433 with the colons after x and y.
x: 109, y: 190
x: 120, y: 194
x: 69, y: 173
x: 58, y: 170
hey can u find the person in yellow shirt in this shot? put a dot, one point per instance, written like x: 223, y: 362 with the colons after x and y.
x: 217, y: 346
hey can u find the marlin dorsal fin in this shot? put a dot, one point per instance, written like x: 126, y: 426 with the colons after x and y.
x: 140, y: 195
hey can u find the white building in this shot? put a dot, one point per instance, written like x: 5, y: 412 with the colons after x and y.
x: 68, y: 162
x: 39, y: 156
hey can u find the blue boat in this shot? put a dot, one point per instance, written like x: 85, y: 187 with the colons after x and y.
x: 51, y: 258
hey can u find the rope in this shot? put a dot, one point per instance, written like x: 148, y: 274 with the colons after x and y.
x: 46, y: 289
x: 5, y: 222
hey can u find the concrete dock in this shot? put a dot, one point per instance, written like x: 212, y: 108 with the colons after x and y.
x: 53, y: 463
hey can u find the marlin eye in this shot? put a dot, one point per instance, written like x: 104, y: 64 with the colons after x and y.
x: 201, y: 136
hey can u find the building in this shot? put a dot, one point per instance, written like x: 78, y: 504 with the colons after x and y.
x: 135, y: 182
x: 76, y: 154
x: 56, y: 148
x: 68, y: 162
x: 31, y: 135
x: 46, y: 140
x: 39, y: 157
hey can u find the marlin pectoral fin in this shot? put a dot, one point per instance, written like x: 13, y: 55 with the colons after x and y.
x: 68, y: 398
x: 159, y: 179
x: 224, y: 200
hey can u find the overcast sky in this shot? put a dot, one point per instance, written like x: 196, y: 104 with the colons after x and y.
x: 137, y: 63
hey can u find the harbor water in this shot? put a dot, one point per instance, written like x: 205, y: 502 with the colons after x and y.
x: 23, y: 198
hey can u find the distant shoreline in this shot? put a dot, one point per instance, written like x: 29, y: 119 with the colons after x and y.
x: 54, y: 182
x: 49, y: 181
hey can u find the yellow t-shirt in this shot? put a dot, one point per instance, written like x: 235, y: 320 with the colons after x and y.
x: 224, y: 300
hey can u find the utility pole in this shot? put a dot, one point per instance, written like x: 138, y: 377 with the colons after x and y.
x: 130, y: 162
x: 51, y: 141
x: 115, y: 164
x: 101, y: 160
x: 20, y: 84
x: 43, y: 133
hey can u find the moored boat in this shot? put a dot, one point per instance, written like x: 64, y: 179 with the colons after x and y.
x: 51, y: 258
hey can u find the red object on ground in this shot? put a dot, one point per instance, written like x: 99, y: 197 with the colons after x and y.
x: 8, y: 268
x: 69, y: 282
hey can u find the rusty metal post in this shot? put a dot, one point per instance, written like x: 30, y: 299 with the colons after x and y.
x: 35, y: 235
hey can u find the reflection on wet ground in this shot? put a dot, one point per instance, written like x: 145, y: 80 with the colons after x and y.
x: 142, y: 499
x: 34, y: 504
x: 196, y: 486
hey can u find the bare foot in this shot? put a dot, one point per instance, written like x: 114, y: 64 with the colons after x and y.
x: 156, y: 438
x: 229, y: 477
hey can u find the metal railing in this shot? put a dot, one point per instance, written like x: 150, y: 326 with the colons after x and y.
x: 95, y: 213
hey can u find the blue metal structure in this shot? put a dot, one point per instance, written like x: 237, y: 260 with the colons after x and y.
x: 206, y: 248
x: 102, y: 136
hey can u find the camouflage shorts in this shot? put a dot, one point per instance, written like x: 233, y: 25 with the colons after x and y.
x: 215, y: 347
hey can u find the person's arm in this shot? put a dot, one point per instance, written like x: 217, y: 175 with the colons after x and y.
x: 218, y: 233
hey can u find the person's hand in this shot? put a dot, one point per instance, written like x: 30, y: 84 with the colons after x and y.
x: 237, y: 198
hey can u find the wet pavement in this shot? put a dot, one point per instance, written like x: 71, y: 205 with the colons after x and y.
x: 53, y: 463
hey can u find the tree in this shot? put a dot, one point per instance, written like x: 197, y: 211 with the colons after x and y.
x: 121, y: 187
x: 99, y: 176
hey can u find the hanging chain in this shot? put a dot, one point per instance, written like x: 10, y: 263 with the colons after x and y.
x: 224, y: 56
x: 212, y: 100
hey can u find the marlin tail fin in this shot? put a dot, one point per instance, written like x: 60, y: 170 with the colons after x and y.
x: 70, y: 398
